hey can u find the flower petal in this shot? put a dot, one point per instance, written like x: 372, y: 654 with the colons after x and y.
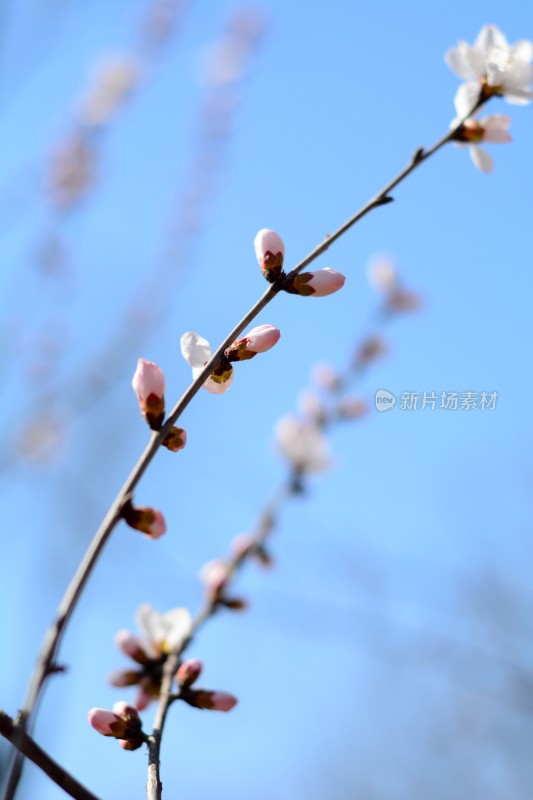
x: 177, y: 622
x: 466, y: 98
x: 151, y: 623
x: 195, y: 349
x: 481, y: 159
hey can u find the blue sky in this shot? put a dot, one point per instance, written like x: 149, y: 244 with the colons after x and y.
x: 371, y: 657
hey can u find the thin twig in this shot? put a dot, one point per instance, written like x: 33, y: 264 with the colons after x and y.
x: 15, y: 734
x: 46, y: 660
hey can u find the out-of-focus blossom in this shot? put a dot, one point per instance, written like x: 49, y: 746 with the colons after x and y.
x: 326, y: 377
x: 113, y: 81
x: 214, y: 701
x: 149, y: 386
x: 189, y: 672
x: 161, y: 634
x: 258, y: 340
x: 352, y: 407
x: 369, y: 350
x: 270, y: 251
x: 72, y: 171
x: 382, y: 274
x: 303, y: 445
x: 197, y: 351
x: 491, y: 66
x: 145, y: 519
x: 245, y: 546
x: 311, y: 406
x: 215, y: 575
x: 315, y: 284
x: 122, y: 723
x: 491, y: 129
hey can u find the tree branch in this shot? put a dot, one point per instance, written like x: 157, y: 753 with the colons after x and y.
x: 15, y: 734
x: 46, y: 660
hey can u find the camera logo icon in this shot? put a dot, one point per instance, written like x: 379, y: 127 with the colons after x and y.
x: 384, y: 400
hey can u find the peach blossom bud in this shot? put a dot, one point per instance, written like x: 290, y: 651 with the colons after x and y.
x: 382, y: 274
x: 105, y: 722
x: 311, y: 407
x: 403, y: 300
x: 326, y: 377
x: 269, y: 249
x: 125, y: 711
x: 189, y: 671
x: 259, y: 340
x: 149, y: 386
x: 175, y: 440
x: 124, y: 677
x: 370, y: 349
x: 147, y: 520
x: 242, y: 545
x: 214, y: 701
x: 352, y: 407
x: 214, y: 575
x: 317, y: 284
x: 131, y: 646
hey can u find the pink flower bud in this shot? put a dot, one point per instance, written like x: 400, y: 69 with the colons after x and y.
x: 189, y: 671
x: 214, y: 575
x: 259, y: 340
x: 214, y: 701
x: 242, y: 545
x: 175, y: 440
x: 105, y: 722
x: 326, y: 377
x: 318, y: 284
x: 125, y: 711
x: 269, y: 249
x: 131, y: 646
x: 147, y: 520
x: 149, y: 386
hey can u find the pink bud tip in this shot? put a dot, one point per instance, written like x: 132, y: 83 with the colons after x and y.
x: 268, y: 242
x: 269, y: 249
x: 326, y: 281
x: 102, y: 720
x: 262, y: 338
x: 222, y: 701
x: 189, y: 671
x: 148, y: 380
x: 124, y: 710
x: 157, y: 527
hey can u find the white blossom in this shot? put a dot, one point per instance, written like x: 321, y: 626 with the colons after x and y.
x: 491, y: 66
x: 197, y: 351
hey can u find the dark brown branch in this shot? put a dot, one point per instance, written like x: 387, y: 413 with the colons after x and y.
x: 25, y: 744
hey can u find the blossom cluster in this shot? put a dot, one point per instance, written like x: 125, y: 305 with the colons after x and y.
x: 491, y: 67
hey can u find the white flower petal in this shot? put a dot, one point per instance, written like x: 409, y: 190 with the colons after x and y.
x: 459, y: 62
x: 481, y: 159
x: 177, y: 623
x: 522, y: 51
x: 213, y: 387
x: 495, y: 128
x: 466, y: 98
x: 489, y: 37
x: 195, y: 349
x: 150, y: 623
